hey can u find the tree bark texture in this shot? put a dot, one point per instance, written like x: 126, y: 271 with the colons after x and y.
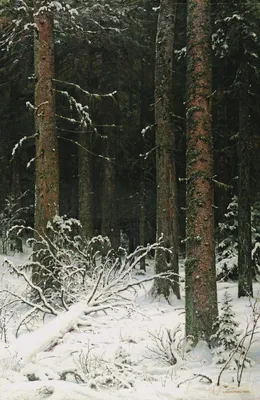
x: 85, y: 161
x: 110, y: 215
x: 142, y: 212
x: 166, y: 213
x: 142, y: 202
x: 47, y: 161
x: 85, y: 185
x: 110, y: 221
x: 201, y: 294
x: 245, y: 286
x: 222, y: 156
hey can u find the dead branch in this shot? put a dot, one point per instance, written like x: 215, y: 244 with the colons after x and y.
x: 194, y: 377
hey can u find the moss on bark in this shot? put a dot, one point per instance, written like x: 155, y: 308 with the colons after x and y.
x: 201, y: 296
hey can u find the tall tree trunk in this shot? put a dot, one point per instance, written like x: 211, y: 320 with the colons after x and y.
x: 166, y: 213
x: 16, y: 190
x: 110, y: 215
x: 17, y: 196
x: 245, y: 286
x: 142, y: 225
x: 201, y: 294
x: 222, y: 160
x: 110, y: 222
x: 47, y: 161
x: 142, y: 211
x: 85, y: 162
x: 85, y: 185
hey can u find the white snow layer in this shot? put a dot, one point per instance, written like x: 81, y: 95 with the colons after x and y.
x: 113, y: 357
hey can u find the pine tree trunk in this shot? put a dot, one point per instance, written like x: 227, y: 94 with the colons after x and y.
x: 166, y: 213
x: 46, y: 161
x: 201, y: 295
x: 85, y: 161
x: 222, y: 159
x: 110, y: 222
x: 16, y: 193
x: 15, y: 187
x: 110, y: 215
x: 85, y: 185
x: 245, y: 286
x: 142, y: 225
x: 142, y: 212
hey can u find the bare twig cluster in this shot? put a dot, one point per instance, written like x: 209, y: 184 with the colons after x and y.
x: 79, y: 270
x: 99, y: 372
x: 244, y: 345
x: 167, y: 345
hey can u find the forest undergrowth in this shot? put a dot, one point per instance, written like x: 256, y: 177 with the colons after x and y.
x: 102, y: 334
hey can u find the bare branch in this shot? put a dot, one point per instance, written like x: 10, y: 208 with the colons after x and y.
x: 48, y: 306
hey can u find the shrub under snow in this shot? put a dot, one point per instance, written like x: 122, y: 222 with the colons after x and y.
x: 226, y: 339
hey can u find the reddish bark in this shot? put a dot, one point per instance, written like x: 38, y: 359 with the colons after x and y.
x: 47, y: 162
x: 201, y: 298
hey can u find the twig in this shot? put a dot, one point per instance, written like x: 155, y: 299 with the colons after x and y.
x: 92, y: 294
x: 241, y: 366
x: 63, y: 300
x: 29, y: 303
x: 231, y: 355
x: 165, y: 275
x: 95, y: 95
x: 35, y: 287
x: 194, y: 377
x: 23, y: 319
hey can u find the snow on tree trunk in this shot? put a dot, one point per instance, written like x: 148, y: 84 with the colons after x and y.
x: 47, y: 161
x: 201, y: 295
x: 245, y: 286
x: 166, y: 213
x: 85, y: 168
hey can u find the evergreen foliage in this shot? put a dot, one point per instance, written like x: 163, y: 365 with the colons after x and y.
x: 227, y: 248
x: 235, y: 37
x: 228, y: 231
x: 226, y: 338
x: 12, y: 214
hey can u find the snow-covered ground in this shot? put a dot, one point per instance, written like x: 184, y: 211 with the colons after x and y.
x: 114, y: 354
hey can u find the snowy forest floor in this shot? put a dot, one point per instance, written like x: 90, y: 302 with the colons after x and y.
x: 115, y: 356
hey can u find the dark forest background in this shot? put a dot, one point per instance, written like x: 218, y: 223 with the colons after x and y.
x: 113, y: 49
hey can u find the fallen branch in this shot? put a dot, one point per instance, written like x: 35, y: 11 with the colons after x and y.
x: 46, y: 337
x: 194, y: 377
